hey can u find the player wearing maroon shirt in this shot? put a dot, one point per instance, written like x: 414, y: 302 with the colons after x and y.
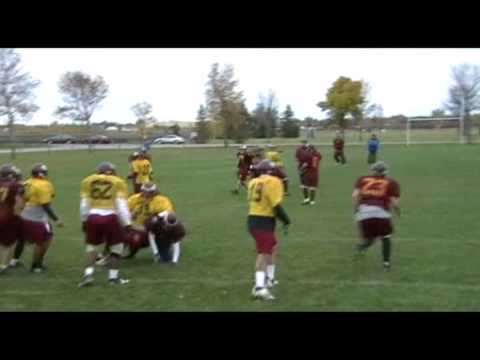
x: 245, y: 159
x: 338, y: 150
x: 309, y: 178
x: 375, y: 197
x: 165, y: 231
x: 10, y: 205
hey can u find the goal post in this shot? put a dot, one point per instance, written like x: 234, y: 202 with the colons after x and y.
x: 432, y: 137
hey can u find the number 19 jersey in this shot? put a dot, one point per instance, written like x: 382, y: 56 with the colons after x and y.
x: 264, y: 194
x: 102, y: 191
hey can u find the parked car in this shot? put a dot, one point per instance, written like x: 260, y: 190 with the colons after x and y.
x: 98, y: 139
x: 60, y: 139
x: 169, y: 139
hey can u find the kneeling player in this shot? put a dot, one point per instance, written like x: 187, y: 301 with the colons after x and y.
x: 142, y: 207
x: 104, y: 209
x: 165, y: 231
x: 10, y: 223
x: 375, y: 197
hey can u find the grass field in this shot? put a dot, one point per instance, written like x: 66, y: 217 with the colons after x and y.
x: 435, y: 262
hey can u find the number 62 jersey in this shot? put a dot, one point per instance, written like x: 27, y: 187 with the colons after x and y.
x: 102, y: 191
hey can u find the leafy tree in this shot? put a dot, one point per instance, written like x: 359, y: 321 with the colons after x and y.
x: 289, y: 126
x: 201, y: 126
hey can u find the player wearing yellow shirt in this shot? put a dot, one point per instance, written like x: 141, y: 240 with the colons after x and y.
x: 265, y: 196
x: 36, y: 228
x: 144, y: 206
x: 104, y: 211
x: 274, y: 155
x: 141, y: 171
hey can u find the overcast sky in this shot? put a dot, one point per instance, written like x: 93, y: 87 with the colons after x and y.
x: 404, y: 81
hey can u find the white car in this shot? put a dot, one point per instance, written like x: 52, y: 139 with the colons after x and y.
x: 169, y: 139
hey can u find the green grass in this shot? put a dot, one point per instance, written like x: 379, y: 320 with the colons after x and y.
x: 435, y: 266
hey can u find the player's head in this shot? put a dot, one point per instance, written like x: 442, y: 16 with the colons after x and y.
x: 40, y: 171
x: 106, y: 168
x: 265, y: 167
x: 311, y: 148
x: 7, y: 172
x: 18, y: 174
x: 149, y: 190
x: 380, y: 168
x: 170, y: 219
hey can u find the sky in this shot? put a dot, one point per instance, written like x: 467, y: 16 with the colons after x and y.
x: 412, y: 82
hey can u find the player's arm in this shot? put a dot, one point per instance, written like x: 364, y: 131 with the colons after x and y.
x: 395, y: 205
x: 276, y: 197
x: 122, y: 205
x: 45, y: 198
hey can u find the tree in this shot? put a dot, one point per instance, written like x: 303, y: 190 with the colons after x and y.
x: 344, y: 97
x: 16, y: 93
x: 225, y: 104
x: 464, y: 94
x: 175, y: 129
x: 438, y: 113
x: 265, y: 116
x: 289, y: 127
x: 201, y: 126
x: 145, y: 119
x: 82, y: 95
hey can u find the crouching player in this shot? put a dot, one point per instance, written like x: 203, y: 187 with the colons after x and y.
x: 11, y: 201
x: 103, y: 211
x: 265, y: 195
x: 143, y: 206
x: 165, y: 231
x: 375, y: 197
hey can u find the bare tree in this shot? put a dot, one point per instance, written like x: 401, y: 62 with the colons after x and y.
x: 270, y: 106
x: 82, y: 95
x: 16, y: 93
x: 464, y: 94
x: 143, y: 113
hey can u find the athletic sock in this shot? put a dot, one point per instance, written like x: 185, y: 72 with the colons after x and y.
x: 386, y: 249
x: 259, y: 279
x: 89, y: 271
x: 312, y: 195
x: 271, y: 272
x: 305, y: 193
x: 113, y: 274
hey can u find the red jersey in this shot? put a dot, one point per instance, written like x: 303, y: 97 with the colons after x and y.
x: 338, y: 144
x: 313, y: 160
x: 377, y: 191
x: 301, y: 153
x: 9, y: 189
x: 244, y: 160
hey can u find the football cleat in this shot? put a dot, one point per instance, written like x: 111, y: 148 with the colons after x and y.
x: 38, y: 270
x: 306, y: 202
x: 16, y: 264
x: 118, y: 281
x: 312, y: 202
x: 386, y: 266
x: 87, y: 280
x: 263, y: 294
x: 271, y: 283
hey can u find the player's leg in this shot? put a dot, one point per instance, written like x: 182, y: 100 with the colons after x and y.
x: 312, y: 187
x: 343, y: 158
x: 114, y: 237
x: 367, y: 235
x: 312, y: 193
x: 271, y: 267
x: 6, y: 252
x: 18, y: 252
x: 42, y: 237
x: 336, y: 157
x: 265, y: 244
x: 386, y: 251
x: 94, y: 241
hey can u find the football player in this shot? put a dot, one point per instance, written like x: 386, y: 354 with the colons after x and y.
x: 141, y: 171
x: 11, y: 202
x: 265, y: 196
x: 274, y: 155
x: 143, y: 206
x: 375, y: 197
x: 104, y: 211
x: 338, y: 149
x: 20, y: 244
x: 309, y: 177
x: 165, y: 231
x: 36, y: 216
x: 373, y: 146
x: 245, y: 158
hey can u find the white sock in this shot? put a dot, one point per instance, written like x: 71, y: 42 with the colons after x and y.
x: 14, y: 262
x: 113, y: 273
x: 89, y: 271
x: 260, y: 279
x: 271, y: 271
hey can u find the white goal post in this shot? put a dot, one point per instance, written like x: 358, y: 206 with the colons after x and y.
x: 411, y: 120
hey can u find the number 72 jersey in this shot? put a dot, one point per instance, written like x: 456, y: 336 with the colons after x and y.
x: 102, y: 191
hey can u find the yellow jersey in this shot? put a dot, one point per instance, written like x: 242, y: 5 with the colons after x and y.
x: 142, y: 208
x: 38, y: 192
x: 264, y: 194
x: 275, y: 157
x: 143, y: 169
x: 103, y: 190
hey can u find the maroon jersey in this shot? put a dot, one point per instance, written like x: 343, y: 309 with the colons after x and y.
x: 313, y: 161
x: 338, y: 144
x: 301, y: 154
x: 166, y: 234
x: 377, y: 191
x: 244, y: 161
x: 9, y: 189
